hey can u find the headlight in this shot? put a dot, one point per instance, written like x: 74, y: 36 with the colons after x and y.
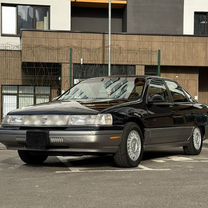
x: 58, y: 120
x: 100, y: 119
x: 13, y: 120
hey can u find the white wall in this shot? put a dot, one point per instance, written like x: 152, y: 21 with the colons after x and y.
x: 60, y: 18
x: 191, y: 6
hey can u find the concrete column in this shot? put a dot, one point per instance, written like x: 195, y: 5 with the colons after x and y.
x: 65, y: 77
x: 0, y: 107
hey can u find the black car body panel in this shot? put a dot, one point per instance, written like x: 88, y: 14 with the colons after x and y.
x: 55, y: 108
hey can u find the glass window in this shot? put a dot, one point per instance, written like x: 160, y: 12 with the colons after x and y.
x: 157, y: 87
x: 151, y: 70
x: 176, y: 92
x: 15, y: 18
x: 9, y: 89
x: 9, y: 20
x: 41, y: 18
x: 105, y: 89
x: 25, y: 17
x: 33, y: 17
x: 9, y: 103
x: 21, y: 96
x: 25, y: 100
x: 42, y: 90
x: 42, y: 99
x: 201, y: 23
x: 26, y: 89
x: 26, y: 96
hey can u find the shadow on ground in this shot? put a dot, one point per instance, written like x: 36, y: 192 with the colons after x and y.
x: 101, y: 162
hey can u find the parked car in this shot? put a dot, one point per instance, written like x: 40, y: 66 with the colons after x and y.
x: 121, y: 116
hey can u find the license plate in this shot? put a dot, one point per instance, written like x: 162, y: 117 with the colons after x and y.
x: 37, y: 139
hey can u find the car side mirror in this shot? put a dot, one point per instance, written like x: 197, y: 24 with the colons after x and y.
x: 156, y: 99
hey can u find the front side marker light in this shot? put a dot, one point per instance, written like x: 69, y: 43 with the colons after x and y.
x: 115, y: 138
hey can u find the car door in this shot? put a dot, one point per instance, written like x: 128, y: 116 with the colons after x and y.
x: 182, y: 111
x: 159, y: 120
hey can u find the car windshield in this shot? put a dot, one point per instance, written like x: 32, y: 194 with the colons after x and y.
x: 115, y: 88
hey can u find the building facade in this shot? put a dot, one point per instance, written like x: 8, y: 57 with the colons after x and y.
x: 47, y: 46
x: 18, y: 15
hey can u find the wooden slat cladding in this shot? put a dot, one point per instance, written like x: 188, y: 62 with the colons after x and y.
x: 10, y: 62
x: 10, y: 70
x: 126, y: 49
x: 187, y: 55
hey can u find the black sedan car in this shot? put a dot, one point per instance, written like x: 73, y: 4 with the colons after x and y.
x: 108, y: 115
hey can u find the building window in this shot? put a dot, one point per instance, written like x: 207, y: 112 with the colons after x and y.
x: 151, y: 70
x: 15, y: 96
x: 86, y: 19
x: 9, y: 23
x: 201, y: 23
x: 17, y: 17
x: 85, y: 71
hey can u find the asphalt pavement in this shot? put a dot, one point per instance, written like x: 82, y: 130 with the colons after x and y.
x: 165, y: 179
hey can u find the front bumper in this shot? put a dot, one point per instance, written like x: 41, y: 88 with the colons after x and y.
x: 63, y: 141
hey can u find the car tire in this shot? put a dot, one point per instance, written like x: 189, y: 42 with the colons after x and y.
x: 195, y: 143
x: 130, y: 151
x: 32, y: 158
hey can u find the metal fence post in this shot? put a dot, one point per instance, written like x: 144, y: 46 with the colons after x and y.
x: 158, y: 62
x: 70, y: 68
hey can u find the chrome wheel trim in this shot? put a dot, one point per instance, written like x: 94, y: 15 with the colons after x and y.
x: 197, y: 139
x: 134, y: 145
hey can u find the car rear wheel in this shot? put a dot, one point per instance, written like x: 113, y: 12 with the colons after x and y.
x: 130, y: 150
x: 33, y: 158
x: 195, y: 144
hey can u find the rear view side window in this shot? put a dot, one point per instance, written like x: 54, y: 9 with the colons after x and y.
x: 176, y: 92
x: 157, y: 87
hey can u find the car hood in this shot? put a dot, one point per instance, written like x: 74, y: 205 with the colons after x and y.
x: 65, y: 108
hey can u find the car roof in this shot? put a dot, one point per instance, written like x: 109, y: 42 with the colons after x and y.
x: 145, y: 77
x: 131, y: 76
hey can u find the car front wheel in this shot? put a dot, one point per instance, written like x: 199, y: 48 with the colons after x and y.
x: 195, y: 143
x: 32, y: 158
x: 130, y: 150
